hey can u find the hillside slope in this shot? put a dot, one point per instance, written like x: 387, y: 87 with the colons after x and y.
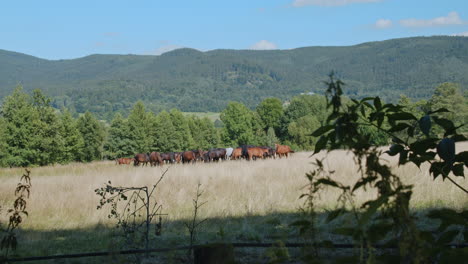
x: 205, y: 81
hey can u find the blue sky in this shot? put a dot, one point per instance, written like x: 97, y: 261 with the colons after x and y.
x: 71, y: 29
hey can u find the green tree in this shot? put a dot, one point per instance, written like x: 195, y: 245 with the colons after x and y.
x: 182, y: 137
x: 270, y: 111
x: 47, y: 141
x: 21, y: 122
x: 140, y: 128
x: 164, y: 133
x: 271, y: 138
x: 238, y: 124
x: 3, y: 143
x: 93, y: 134
x: 449, y: 96
x: 300, y: 131
x: 301, y: 106
x: 204, y: 133
x: 118, y: 143
x: 73, y: 142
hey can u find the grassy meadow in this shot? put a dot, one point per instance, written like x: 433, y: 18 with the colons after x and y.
x: 246, y: 201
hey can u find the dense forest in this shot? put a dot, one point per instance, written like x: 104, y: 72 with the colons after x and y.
x: 195, y: 81
x: 33, y: 132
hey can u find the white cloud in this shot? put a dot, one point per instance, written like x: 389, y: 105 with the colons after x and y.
x: 451, y: 19
x: 165, y: 48
x: 264, y: 45
x: 383, y: 23
x: 461, y: 34
x: 301, y: 3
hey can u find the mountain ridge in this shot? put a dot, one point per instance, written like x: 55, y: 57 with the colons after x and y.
x: 195, y: 81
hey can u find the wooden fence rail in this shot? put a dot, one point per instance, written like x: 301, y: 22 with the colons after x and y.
x: 156, y: 250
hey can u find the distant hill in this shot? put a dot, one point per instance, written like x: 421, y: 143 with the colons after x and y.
x: 195, y: 81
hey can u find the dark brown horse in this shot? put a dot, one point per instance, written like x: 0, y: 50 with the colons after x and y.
x: 141, y: 158
x: 155, y: 159
x: 190, y: 156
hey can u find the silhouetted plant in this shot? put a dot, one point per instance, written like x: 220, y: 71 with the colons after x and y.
x: 134, y: 208
x: 194, y: 224
x: 389, y: 213
x: 15, y: 214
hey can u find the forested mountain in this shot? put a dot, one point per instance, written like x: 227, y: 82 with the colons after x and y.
x: 191, y: 80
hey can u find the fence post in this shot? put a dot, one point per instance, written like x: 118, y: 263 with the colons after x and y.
x: 214, y: 254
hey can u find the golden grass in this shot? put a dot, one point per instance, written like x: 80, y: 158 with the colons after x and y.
x: 63, y: 196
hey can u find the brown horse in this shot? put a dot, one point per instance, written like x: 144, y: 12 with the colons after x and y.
x: 236, y: 153
x: 190, y: 156
x: 256, y: 152
x: 121, y: 161
x: 155, y: 159
x: 141, y: 158
x: 283, y: 150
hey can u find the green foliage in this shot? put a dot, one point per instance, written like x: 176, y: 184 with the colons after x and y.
x: 73, y: 141
x: 301, y: 130
x: 164, y: 133
x: 389, y: 213
x: 238, y: 124
x: 93, y: 134
x: 119, y: 142
x: 195, y: 81
x: 449, y: 96
x: 204, y: 133
x: 139, y: 125
x: 270, y: 111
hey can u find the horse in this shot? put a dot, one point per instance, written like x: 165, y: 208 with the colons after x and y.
x: 168, y: 156
x: 190, y: 156
x: 217, y: 154
x: 283, y: 150
x: 229, y: 152
x: 270, y: 153
x: 121, y: 161
x: 257, y: 152
x: 236, y: 154
x: 142, y: 158
x: 155, y: 159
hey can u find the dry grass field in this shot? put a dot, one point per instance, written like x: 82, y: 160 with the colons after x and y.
x: 63, y: 201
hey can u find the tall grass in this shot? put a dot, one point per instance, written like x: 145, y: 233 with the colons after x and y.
x: 63, y: 195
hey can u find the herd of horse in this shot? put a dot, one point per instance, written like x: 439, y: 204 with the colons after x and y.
x: 247, y: 152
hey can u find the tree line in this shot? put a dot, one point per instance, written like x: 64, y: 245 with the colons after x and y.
x: 32, y: 132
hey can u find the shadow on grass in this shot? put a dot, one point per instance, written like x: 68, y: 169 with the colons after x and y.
x: 268, y: 228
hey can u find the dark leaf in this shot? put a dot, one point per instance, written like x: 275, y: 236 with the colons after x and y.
x: 377, y: 103
x: 421, y: 146
x: 327, y: 182
x: 402, y: 116
x: 403, y: 157
x: 458, y: 138
x: 363, y: 182
x: 440, y: 110
x: 398, y: 127
x: 444, y: 123
x: 332, y: 215
x: 321, y: 144
x: 447, y: 237
x: 462, y: 157
x: 322, y: 130
x: 345, y: 231
x: 394, y: 149
x: 425, y: 124
x: 446, y: 149
x: 458, y: 170
x: 372, y: 208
